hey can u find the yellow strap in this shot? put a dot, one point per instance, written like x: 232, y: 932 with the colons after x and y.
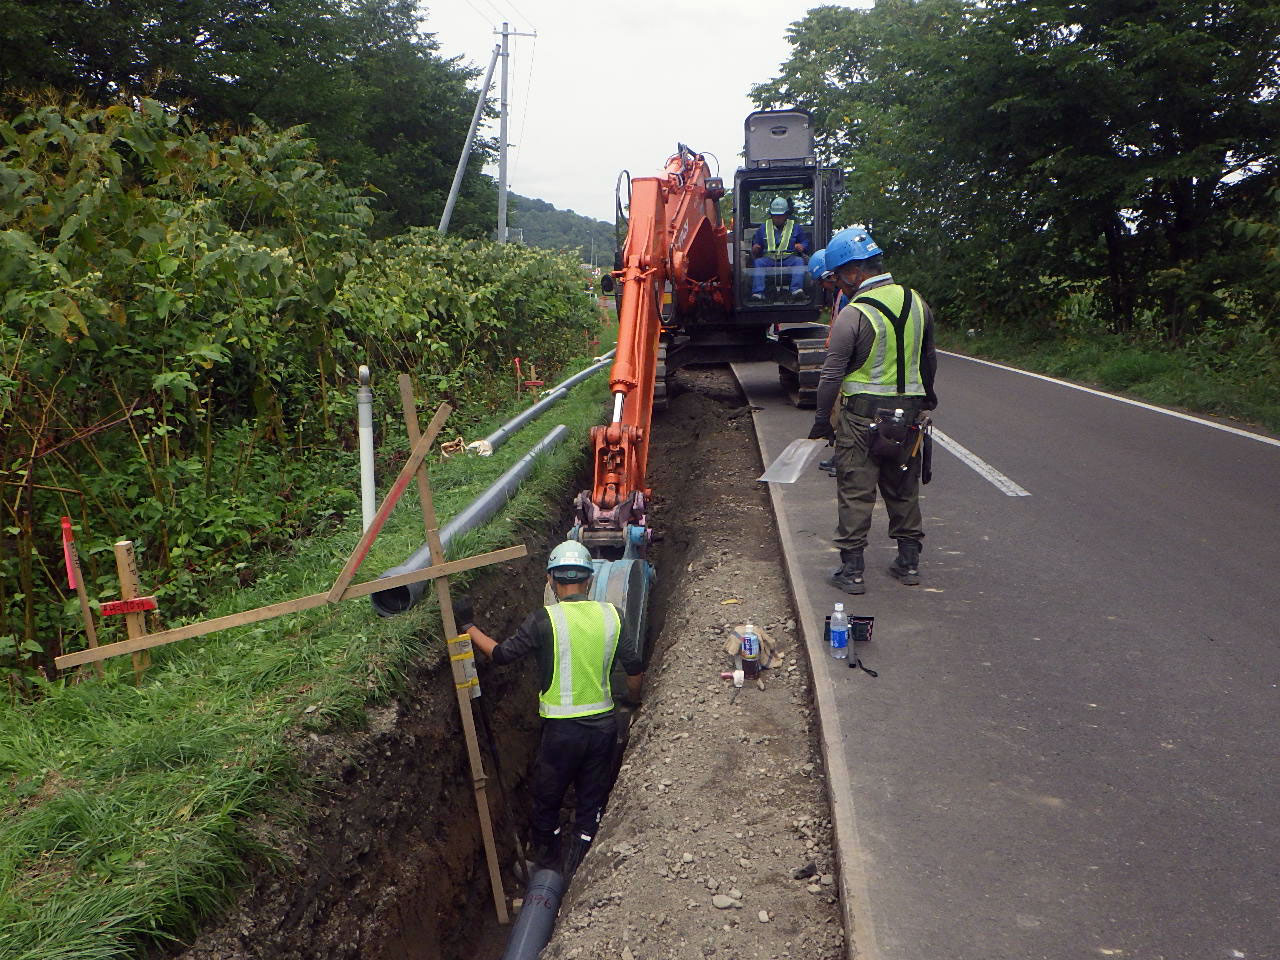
x: 473, y: 682
x: 467, y: 655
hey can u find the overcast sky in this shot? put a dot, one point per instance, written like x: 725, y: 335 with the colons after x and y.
x: 608, y: 85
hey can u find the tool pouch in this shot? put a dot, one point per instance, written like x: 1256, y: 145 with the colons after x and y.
x: 926, y: 455
x: 892, y: 438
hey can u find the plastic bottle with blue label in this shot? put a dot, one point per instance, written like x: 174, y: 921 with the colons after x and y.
x: 750, y: 651
x: 839, y: 633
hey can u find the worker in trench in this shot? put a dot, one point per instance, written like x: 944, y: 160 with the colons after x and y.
x: 575, y: 641
x: 779, y: 241
x: 880, y: 359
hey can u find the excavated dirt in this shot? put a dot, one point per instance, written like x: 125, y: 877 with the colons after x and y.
x: 716, y: 841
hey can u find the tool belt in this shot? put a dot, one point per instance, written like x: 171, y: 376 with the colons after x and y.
x: 867, y: 405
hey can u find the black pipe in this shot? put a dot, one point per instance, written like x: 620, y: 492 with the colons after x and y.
x: 386, y: 603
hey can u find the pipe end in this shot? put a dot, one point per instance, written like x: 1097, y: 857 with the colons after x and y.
x: 364, y: 375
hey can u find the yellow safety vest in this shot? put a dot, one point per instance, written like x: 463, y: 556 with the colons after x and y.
x: 585, y: 636
x: 896, y: 314
x: 778, y: 245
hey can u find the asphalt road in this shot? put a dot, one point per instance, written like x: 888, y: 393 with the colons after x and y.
x: 1071, y: 749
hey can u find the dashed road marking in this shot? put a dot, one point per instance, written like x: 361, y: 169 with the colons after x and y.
x: 980, y: 466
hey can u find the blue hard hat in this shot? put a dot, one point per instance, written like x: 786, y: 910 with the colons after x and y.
x: 818, y: 264
x: 778, y: 207
x: 852, y: 243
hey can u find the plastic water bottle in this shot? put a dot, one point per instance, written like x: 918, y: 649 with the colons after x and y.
x: 839, y: 633
x: 750, y: 651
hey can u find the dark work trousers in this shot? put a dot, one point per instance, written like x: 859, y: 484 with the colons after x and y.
x: 858, y: 476
x: 572, y: 753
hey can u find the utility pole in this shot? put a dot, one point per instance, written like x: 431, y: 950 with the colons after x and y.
x: 466, y: 148
x: 506, y: 32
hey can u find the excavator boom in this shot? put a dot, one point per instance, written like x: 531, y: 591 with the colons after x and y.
x: 674, y: 239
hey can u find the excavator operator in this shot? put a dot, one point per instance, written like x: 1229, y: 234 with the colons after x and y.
x: 575, y: 641
x: 779, y: 242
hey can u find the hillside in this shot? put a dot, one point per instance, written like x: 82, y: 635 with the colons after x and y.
x: 546, y: 226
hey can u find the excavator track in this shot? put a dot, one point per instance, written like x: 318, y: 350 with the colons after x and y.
x: 660, y: 379
x: 801, y: 383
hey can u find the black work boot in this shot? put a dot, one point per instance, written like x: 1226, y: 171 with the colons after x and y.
x: 579, y: 843
x: 544, y: 851
x: 906, y: 566
x: 849, y: 577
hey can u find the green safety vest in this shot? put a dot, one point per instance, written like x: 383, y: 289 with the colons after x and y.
x: 896, y: 314
x: 778, y: 245
x: 586, y: 638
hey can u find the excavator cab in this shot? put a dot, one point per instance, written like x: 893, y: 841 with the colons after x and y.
x: 779, y: 163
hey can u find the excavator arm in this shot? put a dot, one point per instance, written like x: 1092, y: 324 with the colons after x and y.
x: 674, y: 236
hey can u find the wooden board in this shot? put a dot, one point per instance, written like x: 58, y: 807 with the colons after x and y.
x: 147, y: 641
x: 135, y: 623
x: 462, y: 685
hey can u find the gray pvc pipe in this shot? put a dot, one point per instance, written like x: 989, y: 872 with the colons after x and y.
x: 387, y: 603
x: 500, y: 436
x: 532, y: 929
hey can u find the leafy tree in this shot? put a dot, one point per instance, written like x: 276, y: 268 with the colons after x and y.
x: 544, y: 225
x: 997, y: 143
x: 368, y: 84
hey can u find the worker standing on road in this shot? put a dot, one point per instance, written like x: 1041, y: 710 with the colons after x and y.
x: 880, y: 357
x: 575, y: 641
x: 779, y: 242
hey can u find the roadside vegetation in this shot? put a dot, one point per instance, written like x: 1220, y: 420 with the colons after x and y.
x: 200, y: 243
x: 183, y: 315
x: 1097, y: 191
x: 182, y: 320
x: 1229, y: 372
x: 128, y: 814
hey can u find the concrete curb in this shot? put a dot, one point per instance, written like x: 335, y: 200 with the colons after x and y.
x: 859, y: 927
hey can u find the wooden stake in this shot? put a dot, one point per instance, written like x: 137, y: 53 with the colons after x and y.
x: 77, y: 583
x: 130, y: 587
x: 461, y: 655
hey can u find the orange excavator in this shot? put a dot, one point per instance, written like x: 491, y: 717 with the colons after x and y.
x: 689, y: 291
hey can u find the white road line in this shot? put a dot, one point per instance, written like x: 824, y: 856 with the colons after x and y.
x: 984, y: 469
x: 1111, y: 396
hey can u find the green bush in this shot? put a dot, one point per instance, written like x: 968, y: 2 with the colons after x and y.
x: 182, y: 316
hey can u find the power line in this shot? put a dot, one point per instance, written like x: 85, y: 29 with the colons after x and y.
x: 520, y: 14
x: 487, y: 21
x: 498, y: 13
x: 524, y: 116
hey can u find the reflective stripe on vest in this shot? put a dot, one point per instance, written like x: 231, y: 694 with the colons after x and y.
x: 585, y: 638
x: 887, y: 372
x: 777, y: 246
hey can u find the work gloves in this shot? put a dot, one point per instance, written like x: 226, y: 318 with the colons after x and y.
x: 463, y: 614
x: 823, y: 430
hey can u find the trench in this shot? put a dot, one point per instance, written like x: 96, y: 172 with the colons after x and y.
x: 390, y: 864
